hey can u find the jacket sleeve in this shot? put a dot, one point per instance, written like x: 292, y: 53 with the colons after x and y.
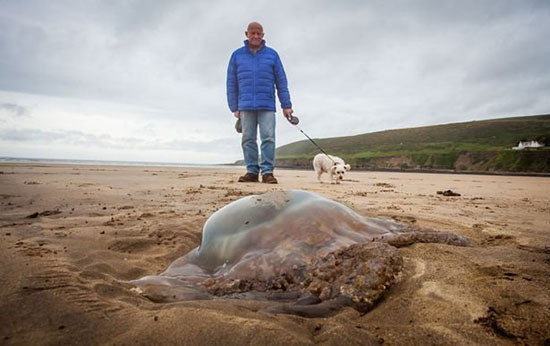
x: 281, y: 84
x: 232, y: 85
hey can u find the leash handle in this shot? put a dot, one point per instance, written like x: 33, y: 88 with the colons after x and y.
x: 293, y: 120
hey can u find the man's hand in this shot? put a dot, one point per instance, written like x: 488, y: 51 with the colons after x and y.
x: 237, y: 114
x: 287, y: 112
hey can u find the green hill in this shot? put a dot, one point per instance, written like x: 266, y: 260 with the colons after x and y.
x: 476, y: 146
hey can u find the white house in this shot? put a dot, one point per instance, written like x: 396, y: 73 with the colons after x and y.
x: 528, y: 144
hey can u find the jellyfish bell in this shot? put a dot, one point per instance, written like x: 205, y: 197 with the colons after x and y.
x: 291, y: 245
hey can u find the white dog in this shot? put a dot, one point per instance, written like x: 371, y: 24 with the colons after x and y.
x: 332, y: 165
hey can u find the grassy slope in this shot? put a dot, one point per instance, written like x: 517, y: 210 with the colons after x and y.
x: 488, y: 142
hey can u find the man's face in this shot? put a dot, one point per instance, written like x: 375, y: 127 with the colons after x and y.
x: 255, y: 36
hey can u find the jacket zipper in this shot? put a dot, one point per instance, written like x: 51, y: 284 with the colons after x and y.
x: 254, y: 55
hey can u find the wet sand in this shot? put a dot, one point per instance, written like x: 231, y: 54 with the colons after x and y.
x: 72, y: 235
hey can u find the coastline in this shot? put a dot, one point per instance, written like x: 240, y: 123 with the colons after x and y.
x: 239, y: 163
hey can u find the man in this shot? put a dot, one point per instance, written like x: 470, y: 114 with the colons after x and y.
x: 253, y: 73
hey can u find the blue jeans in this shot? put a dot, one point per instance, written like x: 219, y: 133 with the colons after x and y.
x: 250, y: 121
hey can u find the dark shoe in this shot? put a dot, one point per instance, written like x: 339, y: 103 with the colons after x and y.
x: 249, y: 178
x: 268, y: 178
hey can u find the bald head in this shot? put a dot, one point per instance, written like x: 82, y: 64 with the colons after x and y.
x: 255, y: 25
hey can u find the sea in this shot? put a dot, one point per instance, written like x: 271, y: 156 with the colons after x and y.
x: 113, y: 163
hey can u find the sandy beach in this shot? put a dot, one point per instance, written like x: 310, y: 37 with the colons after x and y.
x: 71, y: 236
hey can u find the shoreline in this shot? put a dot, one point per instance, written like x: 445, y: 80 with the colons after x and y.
x: 46, y: 162
x: 12, y: 160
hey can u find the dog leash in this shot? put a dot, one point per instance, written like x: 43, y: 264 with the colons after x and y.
x: 295, y: 121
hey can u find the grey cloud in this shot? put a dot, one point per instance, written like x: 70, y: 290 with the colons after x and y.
x: 14, y: 109
x: 342, y: 39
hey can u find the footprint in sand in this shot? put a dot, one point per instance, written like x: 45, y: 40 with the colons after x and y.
x: 100, y: 270
x: 111, y: 291
x: 419, y: 268
x: 461, y: 300
x: 131, y: 245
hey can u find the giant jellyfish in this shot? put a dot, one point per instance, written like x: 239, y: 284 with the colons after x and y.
x: 309, y: 253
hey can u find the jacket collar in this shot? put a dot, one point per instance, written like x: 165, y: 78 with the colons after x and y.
x: 261, y: 47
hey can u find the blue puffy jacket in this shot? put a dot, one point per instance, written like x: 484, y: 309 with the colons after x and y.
x: 251, y: 80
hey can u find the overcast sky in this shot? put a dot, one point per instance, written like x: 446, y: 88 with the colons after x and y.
x: 145, y: 80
